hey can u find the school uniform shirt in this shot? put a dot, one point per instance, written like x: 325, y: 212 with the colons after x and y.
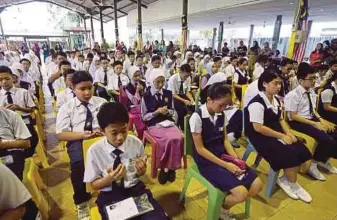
x: 237, y: 77
x: 293, y: 82
x: 72, y: 115
x: 12, y: 126
x: 297, y: 101
x: 59, y: 85
x: 256, y: 109
x: 174, y: 84
x: 21, y: 97
x: 113, y: 81
x: 327, y: 94
x: 80, y: 66
x: 229, y: 71
x: 51, y: 68
x: 126, y: 65
x: 99, y: 75
x: 86, y: 65
x: 64, y: 97
x: 100, y: 157
x: 328, y: 74
x: 251, y: 91
x: 27, y: 77
x: 142, y: 69
x: 4, y: 63
x: 195, y: 120
x: 258, y: 70
x: 218, y: 77
x: 13, y: 192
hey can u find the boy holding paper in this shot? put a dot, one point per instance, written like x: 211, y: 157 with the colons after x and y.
x: 115, y: 163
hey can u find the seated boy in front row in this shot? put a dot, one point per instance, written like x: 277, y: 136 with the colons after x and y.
x: 115, y: 163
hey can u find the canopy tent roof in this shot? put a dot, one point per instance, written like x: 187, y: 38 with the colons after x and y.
x: 86, y: 7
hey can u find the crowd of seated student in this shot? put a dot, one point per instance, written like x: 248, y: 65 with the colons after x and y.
x: 159, y: 90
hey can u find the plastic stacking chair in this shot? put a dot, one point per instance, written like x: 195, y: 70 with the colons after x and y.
x: 215, y: 196
x: 123, y: 98
x: 30, y: 183
x: 243, y: 88
x: 40, y: 149
x: 147, y: 137
x: 86, y: 145
x: 94, y: 214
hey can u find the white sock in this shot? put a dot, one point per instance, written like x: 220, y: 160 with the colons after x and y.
x: 313, y: 165
x: 284, y: 179
x: 294, y: 185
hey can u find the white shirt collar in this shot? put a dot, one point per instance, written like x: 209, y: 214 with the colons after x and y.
x: 267, y: 102
x: 205, y: 113
x: 12, y: 90
x: 78, y: 102
x: 111, y: 148
x: 334, y: 85
x: 302, y: 90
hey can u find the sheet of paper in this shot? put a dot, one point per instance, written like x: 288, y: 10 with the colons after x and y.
x: 122, y: 210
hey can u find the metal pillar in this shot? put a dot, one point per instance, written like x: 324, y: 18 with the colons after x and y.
x: 220, y: 36
x: 276, y: 34
x: 92, y: 32
x: 140, y: 28
x: 184, y: 26
x: 214, y: 38
x: 101, y: 19
x: 116, y: 21
x: 1, y: 28
x: 251, y: 34
x: 162, y: 33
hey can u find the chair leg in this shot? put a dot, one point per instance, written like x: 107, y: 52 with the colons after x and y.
x: 247, y: 208
x: 248, y: 151
x: 185, y: 161
x: 215, y: 201
x: 272, y: 177
x: 154, y: 169
x: 40, y: 184
x: 187, y: 182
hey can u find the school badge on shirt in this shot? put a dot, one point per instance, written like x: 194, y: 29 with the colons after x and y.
x: 166, y: 99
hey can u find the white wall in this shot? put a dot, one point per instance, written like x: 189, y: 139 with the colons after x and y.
x: 167, y: 9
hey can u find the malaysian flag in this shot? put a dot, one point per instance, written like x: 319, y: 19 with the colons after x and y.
x: 302, y: 25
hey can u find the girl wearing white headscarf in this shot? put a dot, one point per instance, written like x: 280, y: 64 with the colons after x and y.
x: 204, y: 62
x: 211, y: 69
x: 95, y: 64
x: 134, y: 91
x: 157, y: 112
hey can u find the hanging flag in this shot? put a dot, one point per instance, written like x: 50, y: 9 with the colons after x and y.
x: 298, y: 40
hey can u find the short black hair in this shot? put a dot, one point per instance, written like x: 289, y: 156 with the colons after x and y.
x: 81, y: 56
x: 64, y: 63
x: 219, y: 90
x: 262, y: 58
x: 216, y: 59
x: 323, y: 67
x: 61, y: 54
x: 155, y: 57
x: 333, y: 62
x: 90, y: 55
x: 130, y: 53
x: 25, y: 59
x: 81, y: 76
x: 233, y: 58
x: 186, y: 68
x: 3, y: 53
x: 112, y: 113
x: 116, y: 63
x: 6, y: 69
x: 68, y: 71
x: 241, y: 61
x: 139, y: 57
x: 104, y: 58
x: 190, y: 59
x: 286, y: 61
x: 267, y: 76
x: 304, y: 69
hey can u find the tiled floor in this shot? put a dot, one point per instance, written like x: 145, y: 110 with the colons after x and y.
x: 278, y: 207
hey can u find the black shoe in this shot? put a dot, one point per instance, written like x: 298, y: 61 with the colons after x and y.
x: 162, y: 177
x: 171, y: 176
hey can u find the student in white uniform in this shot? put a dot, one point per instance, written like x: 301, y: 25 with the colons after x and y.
x: 80, y: 65
x: 57, y: 79
x: 20, y: 101
x: 3, y: 61
x: 55, y: 71
x: 27, y: 75
x: 230, y: 69
x: 115, y: 163
x: 180, y: 86
x: 117, y: 80
x: 241, y: 77
x: 103, y: 74
x: 88, y: 61
x: 155, y: 64
x: 67, y: 94
x: 259, y: 66
x: 76, y: 121
x: 129, y: 62
x: 300, y: 106
x: 15, y: 200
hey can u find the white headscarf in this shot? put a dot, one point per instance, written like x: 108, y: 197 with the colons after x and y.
x: 155, y: 73
x: 209, y: 68
x: 93, y: 67
x: 131, y: 71
x: 15, y: 67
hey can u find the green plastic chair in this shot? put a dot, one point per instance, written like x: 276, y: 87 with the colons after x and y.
x: 215, y: 196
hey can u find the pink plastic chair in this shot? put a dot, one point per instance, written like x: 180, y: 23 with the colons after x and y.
x: 123, y: 99
x: 147, y: 137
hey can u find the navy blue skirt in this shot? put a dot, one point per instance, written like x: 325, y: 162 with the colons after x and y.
x: 224, y: 180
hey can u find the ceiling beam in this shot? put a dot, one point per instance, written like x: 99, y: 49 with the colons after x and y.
x: 135, y: 2
x: 125, y: 6
x: 75, y: 3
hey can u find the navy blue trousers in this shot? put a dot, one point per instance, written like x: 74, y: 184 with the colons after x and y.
x: 235, y: 124
x: 118, y: 194
x: 34, y: 139
x: 327, y: 145
x: 75, y: 152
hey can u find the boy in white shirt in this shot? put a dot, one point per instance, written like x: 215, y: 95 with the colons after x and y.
x: 67, y: 94
x: 117, y: 80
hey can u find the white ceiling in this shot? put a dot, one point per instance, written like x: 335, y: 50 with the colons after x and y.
x: 257, y: 14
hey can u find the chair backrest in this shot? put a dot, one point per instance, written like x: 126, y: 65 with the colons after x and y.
x: 188, y: 140
x: 196, y: 98
x: 87, y: 144
x: 123, y: 98
x: 29, y: 182
x: 318, y: 98
x: 243, y: 88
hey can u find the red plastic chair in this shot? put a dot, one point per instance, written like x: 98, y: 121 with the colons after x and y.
x: 147, y: 137
x: 123, y: 99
